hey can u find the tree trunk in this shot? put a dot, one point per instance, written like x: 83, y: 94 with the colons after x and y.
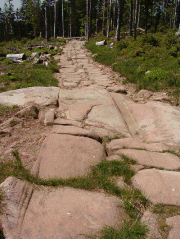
x: 120, y: 18
x: 46, y: 36
x: 87, y: 19
x: 146, y: 12
x: 131, y: 18
x: 63, y: 18
x: 90, y: 19
x: 103, y: 17
x: 54, y: 19
x: 136, y: 18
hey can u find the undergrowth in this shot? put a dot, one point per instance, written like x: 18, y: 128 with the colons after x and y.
x: 101, y: 177
x: 21, y: 75
x: 129, y: 229
x: 151, y: 62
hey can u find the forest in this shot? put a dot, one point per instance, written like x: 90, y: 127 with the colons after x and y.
x: 74, y: 18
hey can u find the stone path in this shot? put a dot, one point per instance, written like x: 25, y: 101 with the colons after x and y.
x: 88, y: 106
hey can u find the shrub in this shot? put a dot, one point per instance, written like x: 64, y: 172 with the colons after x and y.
x: 150, y: 39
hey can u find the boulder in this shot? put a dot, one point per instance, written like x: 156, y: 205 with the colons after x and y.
x: 101, y: 43
x: 159, y: 186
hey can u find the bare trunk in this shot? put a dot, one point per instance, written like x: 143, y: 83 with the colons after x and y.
x: 120, y: 18
x: 62, y: 18
x: 46, y: 23
x: 136, y: 18
x: 139, y: 14
x: 103, y: 17
x: 146, y: 12
x: 70, y: 30
x: 87, y: 19
x: 131, y: 18
x: 54, y: 19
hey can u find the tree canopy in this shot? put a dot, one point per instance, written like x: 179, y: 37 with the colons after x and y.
x: 52, y: 18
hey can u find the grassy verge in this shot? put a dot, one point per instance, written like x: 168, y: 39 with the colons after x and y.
x: 129, y: 229
x: 26, y: 74
x: 101, y: 177
x: 164, y: 212
x: 151, y: 62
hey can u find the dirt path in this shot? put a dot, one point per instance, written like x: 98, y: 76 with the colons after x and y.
x: 93, y: 119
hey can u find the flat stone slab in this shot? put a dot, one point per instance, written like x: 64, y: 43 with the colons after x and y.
x: 71, y: 130
x: 64, y: 156
x: 42, y: 96
x: 174, y: 223
x: 69, y: 213
x: 117, y: 89
x: 90, y: 95
x: 17, y: 194
x: 79, y: 112
x: 136, y: 144
x: 109, y: 117
x: 70, y: 84
x: 159, y: 186
x: 61, y: 121
x: 152, y: 159
x: 156, y: 121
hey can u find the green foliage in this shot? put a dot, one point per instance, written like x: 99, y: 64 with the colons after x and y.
x: 129, y: 229
x: 101, y: 176
x: 26, y: 74
x: 53, y: 66
x: 157, y: 54
x: 151, y: 39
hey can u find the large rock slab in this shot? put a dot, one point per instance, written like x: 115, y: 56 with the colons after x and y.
x: 17, y: 194
x: 134, y: 143
x: 174, y: 223
x: 64, y: 156
x: 108, y: 117
x: 91, y: 95
x: 69, y: 213
x: 152, y: 159
x: 42, y: 96
x: 159, y: 186
x: 61, y: 121
x: 79, y: 112
x: 156, y: 121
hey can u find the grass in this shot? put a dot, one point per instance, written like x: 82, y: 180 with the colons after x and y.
x: 129, y: 229
x: 101, y: 177
x: 27, y: 74
x: 158, y: 54
x: 164, y: 212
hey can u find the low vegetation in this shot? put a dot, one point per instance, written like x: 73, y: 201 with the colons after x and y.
x: 27, y: 74
x: 152, y: 62
x: 101, y: 177
x: 129, y: 229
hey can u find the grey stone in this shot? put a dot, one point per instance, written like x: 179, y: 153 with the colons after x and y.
x: 42, y: 96
x: 117, y: 89
x: 69, y: 213
x: 156, y: 122
x: 174, y: 223
x: 152, y: 159
x: 151, y: 221
x: 17, y: 195
x: 159, y: 186
x: 64, y: 156
x: 61, y: 121
x: 108, y: 117
x: 49, y: 117
x: 136, y: 144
